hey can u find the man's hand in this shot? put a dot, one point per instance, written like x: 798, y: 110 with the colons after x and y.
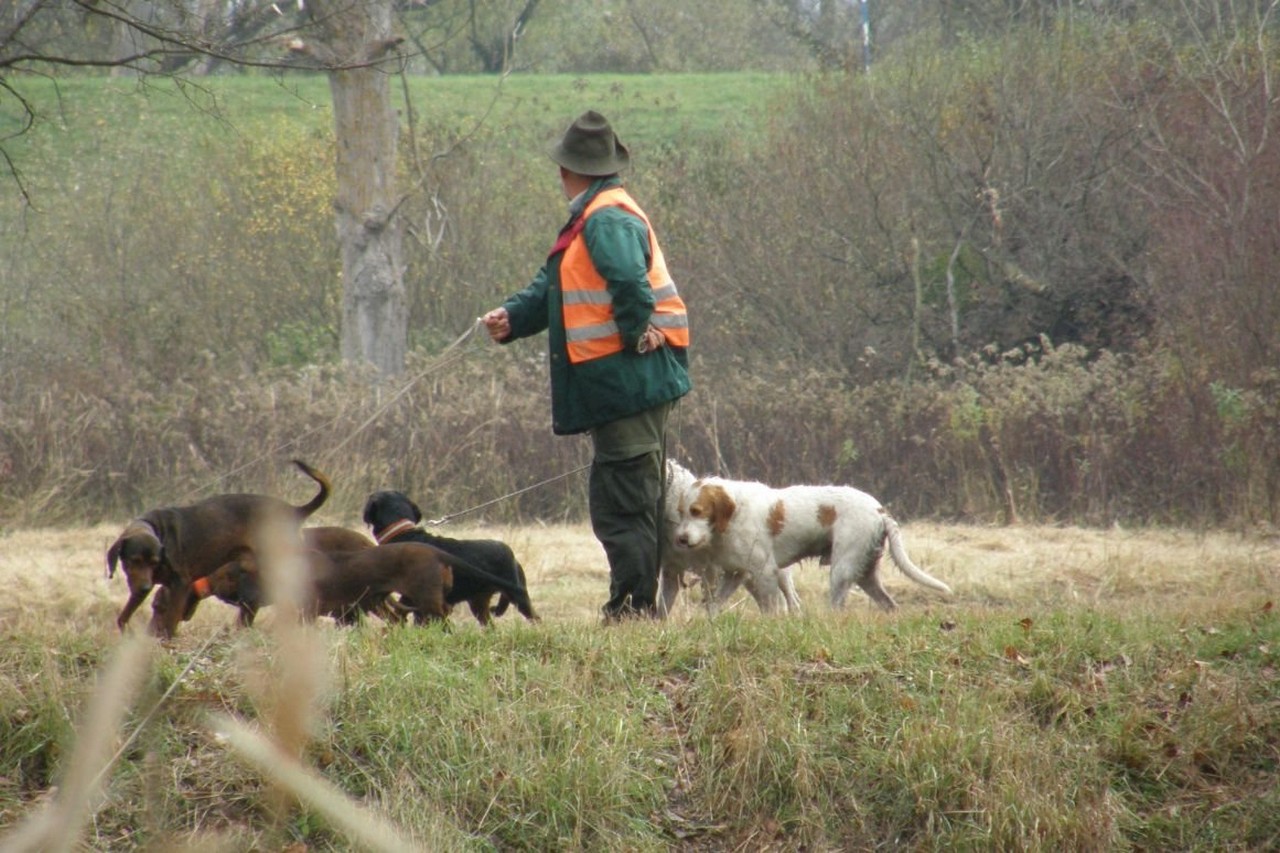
x: 651, y: 339
x: 498, y: 324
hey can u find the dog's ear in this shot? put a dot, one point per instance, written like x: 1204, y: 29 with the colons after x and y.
x: 722, y: 508
x: 417, y: 513
x: 248, y: 587
x: 238, y: 584
x: 368, y: 507
x: 165, y: 527
x: 113, y: 556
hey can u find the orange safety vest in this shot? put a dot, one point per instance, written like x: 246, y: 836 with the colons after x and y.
x: 590, y: 329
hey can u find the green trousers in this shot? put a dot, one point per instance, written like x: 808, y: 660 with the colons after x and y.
x: 625, y: 495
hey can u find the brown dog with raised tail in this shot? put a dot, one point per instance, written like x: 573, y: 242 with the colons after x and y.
x: 172, y: 546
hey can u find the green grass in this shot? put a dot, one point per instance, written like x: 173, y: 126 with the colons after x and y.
x: 82, y: 117
x: 1081, y: 729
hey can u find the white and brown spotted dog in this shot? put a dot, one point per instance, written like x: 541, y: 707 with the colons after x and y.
x: 677, y: 561
x: 680, y: 561
x: 752, y: 533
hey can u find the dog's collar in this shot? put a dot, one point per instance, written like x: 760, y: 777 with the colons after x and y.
x: 391, y: 531
x: 200, y: 586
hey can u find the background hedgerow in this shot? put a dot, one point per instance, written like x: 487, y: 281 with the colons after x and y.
x: 1049, y: 433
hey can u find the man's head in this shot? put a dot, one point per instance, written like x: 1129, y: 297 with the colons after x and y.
x: 590, y: 148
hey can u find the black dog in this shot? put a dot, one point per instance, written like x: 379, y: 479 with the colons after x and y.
x: 393, y: 517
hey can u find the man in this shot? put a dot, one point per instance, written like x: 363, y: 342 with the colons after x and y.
x: 617, y: 335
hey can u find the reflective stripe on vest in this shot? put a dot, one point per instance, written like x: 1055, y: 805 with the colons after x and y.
x: 590, y: 329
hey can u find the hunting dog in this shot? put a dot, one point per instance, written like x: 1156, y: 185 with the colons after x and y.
x: 751, y: 533
x: 393, y: 517
x: 340, y: 583
x: 327, y: 541
x: 677, y: 561
x: 331, y: 539
x: 172, y: 546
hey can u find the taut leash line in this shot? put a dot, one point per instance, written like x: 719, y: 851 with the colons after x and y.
x: 437, y: 521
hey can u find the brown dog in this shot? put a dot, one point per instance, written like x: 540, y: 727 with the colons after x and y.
x: 335, y: 539
x: 172, y: 546
x: 342, y: 582
x: 329, y: 540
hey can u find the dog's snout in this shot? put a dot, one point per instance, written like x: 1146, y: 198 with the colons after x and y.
x: 141, y: 580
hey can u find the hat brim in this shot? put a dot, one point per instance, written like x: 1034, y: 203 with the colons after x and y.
x: 591, y: 167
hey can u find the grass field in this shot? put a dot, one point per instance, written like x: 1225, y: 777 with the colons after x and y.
x: 87, y: 118
x: 1083, y: 689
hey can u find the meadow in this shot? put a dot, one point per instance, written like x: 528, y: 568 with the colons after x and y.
x: 104, y: 123
x: 1082, y: 689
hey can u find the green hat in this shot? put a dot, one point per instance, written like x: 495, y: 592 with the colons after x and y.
x: 590, y: 147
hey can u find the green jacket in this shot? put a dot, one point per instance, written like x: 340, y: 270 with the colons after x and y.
x: 593, y: 393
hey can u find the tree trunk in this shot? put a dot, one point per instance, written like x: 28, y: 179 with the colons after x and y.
x: 374, y: 318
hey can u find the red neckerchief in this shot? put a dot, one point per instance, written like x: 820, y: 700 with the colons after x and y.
x: 573, y: 229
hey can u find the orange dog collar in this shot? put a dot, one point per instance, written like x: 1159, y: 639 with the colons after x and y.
x: 200, y: 587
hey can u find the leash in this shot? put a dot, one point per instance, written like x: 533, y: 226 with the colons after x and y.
x: 446, y: 518
x: 440, y: 361
x: 434, y: 522
x: 444, y: 359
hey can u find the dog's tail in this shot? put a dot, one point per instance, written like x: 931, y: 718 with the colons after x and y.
x: 315, y: 503
x: 899, y: 553
x: 519, y: 595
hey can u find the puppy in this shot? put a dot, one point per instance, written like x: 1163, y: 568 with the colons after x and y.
x: 331, y: 539
x: 753, y: 532
x: 172, y: 546
x: 393, y: 517
x: 342, y: 582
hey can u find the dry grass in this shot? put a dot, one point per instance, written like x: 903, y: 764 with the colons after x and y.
x: 1068, y: 566
x: 60, y: 574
